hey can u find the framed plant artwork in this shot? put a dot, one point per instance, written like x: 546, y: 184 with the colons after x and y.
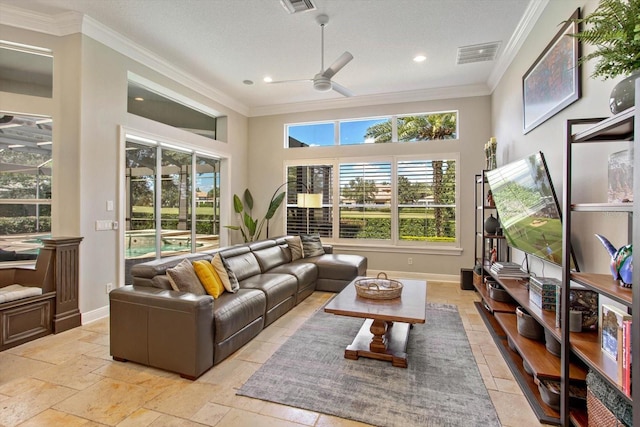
x: 553, y: 81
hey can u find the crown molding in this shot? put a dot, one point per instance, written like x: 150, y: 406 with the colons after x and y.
x: 381, y: 99
x: 73, y: 22
x: 125, y: 46
x: 529, y: 19
x: 57, y: 25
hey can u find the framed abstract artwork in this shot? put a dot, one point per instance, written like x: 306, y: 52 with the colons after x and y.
x: 553, y: 81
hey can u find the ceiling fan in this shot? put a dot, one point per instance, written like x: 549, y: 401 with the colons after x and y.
x: 322, y: 81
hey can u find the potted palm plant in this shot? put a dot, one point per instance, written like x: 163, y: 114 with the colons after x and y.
x: 613, y: 28
x: 252, y: 227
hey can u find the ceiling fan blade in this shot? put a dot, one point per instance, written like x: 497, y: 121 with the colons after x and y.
x: 337, y: 65
x: 341, y: 89
x: 290, y: 81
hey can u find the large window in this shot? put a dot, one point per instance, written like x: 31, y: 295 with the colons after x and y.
x: 426, y: 200
x: 365, y: 200
x: 409, y: 201
x: 25, y: 185
x: 400, y: 128
x: 316, y: 179
x: 161, y: 223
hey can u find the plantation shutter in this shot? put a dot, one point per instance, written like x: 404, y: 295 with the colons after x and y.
x: 365, y: 200
x: 312, y: 179
x: 426, y: 200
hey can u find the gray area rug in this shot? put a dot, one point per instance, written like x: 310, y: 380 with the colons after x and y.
x: 441, y: 387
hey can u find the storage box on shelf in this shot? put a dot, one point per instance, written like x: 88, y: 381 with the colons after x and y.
x: 587, y: 345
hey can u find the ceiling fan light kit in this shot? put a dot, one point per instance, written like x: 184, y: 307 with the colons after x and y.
x: 322, y: 81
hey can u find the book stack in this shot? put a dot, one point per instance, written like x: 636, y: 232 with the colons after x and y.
x: 508, y: 270
x: 626, y: 357
x: 616, y: 342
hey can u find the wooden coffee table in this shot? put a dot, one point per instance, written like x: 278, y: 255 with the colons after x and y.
x: 385, y: 333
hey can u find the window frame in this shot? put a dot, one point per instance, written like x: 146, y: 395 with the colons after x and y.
x: 393, y: 118
x: 394, y: 241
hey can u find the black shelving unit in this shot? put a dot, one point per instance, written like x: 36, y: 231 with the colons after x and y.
x: 485, y: 242
x: 620, y: 127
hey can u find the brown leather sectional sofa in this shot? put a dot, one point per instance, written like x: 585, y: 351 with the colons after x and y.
x: 188, y: 334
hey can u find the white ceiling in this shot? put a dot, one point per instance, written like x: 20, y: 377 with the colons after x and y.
x: 221, y: 43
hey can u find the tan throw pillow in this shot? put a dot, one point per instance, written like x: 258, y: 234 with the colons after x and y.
x: 183, y: 278
x: 295, y: 245
x: 311, y: 245
x: 228, y: 278
x: 209, y: 278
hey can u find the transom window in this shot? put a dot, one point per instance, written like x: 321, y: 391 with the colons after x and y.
x: 397, y: 128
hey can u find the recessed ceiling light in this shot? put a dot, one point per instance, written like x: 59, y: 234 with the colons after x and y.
x: 268, y: 79
x: 248, y: 82
x: 419, y: 58
x: 138, y: 98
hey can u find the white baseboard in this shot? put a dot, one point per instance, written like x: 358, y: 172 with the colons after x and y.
x: 93, y: 315
x: 413, y: 275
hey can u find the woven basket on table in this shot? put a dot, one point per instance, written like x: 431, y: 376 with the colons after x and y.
x: 378, y: 287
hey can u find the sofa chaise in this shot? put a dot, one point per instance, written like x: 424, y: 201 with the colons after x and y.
x: 185, y: 333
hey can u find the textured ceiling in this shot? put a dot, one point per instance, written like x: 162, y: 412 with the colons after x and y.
x: 224, y: 42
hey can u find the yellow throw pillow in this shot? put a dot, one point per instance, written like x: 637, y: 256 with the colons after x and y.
x: 209, y: 278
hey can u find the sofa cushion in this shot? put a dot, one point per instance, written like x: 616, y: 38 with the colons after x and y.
x: 232, y: 312
x: 341, y: 266
x: 243, y: 265
x: 277, y: 287
x: 295, y: 245
x: 305, y: 272
x: 183, y: 278
x: 153, y: 268
x: 208, y: 277
x: 270, y: 258
x: 229, y: 281
x: 15, y: 292
x: 311, y: 245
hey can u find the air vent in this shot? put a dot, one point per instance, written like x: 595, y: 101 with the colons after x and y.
x: 477, y: 53
x: 297, y: 6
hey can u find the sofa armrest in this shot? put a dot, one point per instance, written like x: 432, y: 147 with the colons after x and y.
x: 162, y: 328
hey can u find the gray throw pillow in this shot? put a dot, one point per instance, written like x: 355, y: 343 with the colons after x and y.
x: 183, y: 278
x: 295, y: 245
x: 311, y: 245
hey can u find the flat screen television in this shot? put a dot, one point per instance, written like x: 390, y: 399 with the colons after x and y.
x: 528, y: 208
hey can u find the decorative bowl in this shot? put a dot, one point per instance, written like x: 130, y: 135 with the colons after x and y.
x: 379, y: 287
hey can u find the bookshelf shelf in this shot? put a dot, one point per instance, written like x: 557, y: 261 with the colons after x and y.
x: 588, y: 345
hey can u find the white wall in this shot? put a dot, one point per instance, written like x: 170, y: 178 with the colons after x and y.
x: 590, y: 164
x: 267, y: 156
x: 89, y: 111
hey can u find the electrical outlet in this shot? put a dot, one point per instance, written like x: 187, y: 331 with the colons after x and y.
x: 410, y: 261
x: 108, y: 287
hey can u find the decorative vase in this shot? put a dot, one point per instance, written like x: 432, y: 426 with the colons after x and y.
x: 491, y: 225
x: 623, y: 94
x: 621, y: 261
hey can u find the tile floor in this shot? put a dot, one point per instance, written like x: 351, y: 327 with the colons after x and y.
x: 70, y: 380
